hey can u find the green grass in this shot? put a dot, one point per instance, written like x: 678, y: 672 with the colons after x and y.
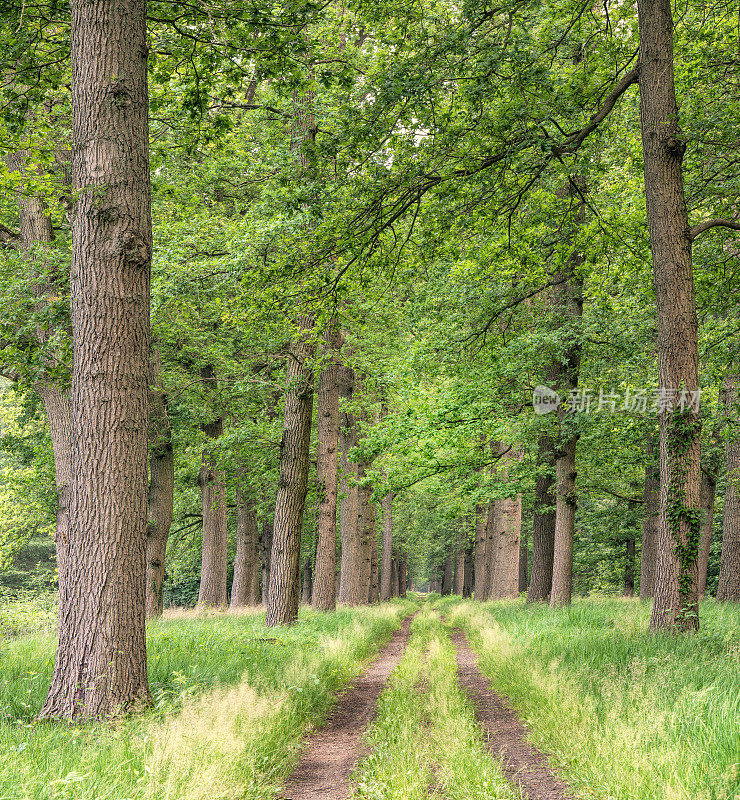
x: 232, y: 701
x: 627, y: 715
x: 425, y: 741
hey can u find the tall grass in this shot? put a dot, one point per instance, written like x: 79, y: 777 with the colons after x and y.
x: 628, y: 715
x: 232, y: 701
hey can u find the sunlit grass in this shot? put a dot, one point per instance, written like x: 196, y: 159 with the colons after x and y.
x: 232, y: 701
x: 627, y: 715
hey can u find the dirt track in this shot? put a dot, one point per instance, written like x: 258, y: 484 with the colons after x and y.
x: 523, y: 763
x: 331, y: 754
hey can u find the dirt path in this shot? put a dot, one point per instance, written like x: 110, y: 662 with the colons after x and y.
x: 523, y: 763
x: 332, y: 752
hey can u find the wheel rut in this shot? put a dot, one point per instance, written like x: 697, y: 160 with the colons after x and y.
x: 505, y: 734
x: 332, y: 752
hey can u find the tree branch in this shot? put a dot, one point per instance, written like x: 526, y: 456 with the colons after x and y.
x: 9, y: 238
x: 615, y: 494
x: 717, y: 222
x: 575, y: 140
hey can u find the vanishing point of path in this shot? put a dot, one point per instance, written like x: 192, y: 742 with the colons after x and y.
x: 332, y: 752
x: 523, y: 763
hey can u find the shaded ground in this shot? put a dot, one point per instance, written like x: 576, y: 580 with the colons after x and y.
x: 331, y: 754
x: 523, y: 763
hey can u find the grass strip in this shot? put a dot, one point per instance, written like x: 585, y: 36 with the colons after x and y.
x: 425, y: 740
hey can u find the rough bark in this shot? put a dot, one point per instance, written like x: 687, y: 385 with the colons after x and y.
x: 523, y: 563
x: 402, y: 575
x: 327, y: 471
x: 543, y: 524
x: 567, y: 304
x: 58, y: 406
x: 350, y: 532
x: 675, y: 606
x: 374, y: 574
x: 468, y: 567
x: 565, y: 517
x: 365, y: 522
x: 651, y: 506
x: 711, y: 460
x: 282, y: 605
x: 707, y: 494
x: 265, y: 554
x: 447, y: 576
x: 489, y: 565
x: 245, y: 585
x: 394, y: 576
x: 386, y: 567
x: 458, y: 580
x: 505, y: 583
x: 629, y: 568
x: 213, y: 568
x: 307, y: 582
x: 161, y: 492
x: 101, y: 657
x: 728, y: 588
x: 481, y: 572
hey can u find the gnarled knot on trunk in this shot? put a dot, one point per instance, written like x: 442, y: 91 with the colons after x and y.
x: 135, y: 249
x: 120, y: 94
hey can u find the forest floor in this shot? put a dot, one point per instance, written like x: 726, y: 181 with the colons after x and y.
x: 467, y: 701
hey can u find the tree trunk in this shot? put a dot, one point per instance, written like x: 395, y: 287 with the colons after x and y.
x: 350, y: 592
x: 651, y: 503
x: 161, y: 493
x: 468, y: 567
x: 403, y: 575
x: 394, y: 576
x: 567, y: 302
x: 728, y: 588
x: 245, y: 585
x: 506, y: 565
x: 213, y: 568
x: 707, y: 494
x: 101, y: 657
x: 711, y: 460
x: 629, y: 568
x: 543, y: 524
x: 374, y: 575
x: 481, y: 555
x: 307, y: 582
x: 523, y: 560
x: 386, y: 570
x: 58, y: 406
x: 458, y: 580
x: 675, y: 606
x: 327, y: 472
x: 565, y: 517
x: 364, y: 523
x: 36, y: 228
x: 282, y: 605
x: 489, y: 566
x: 447, y: 577
x: 265, y: 554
